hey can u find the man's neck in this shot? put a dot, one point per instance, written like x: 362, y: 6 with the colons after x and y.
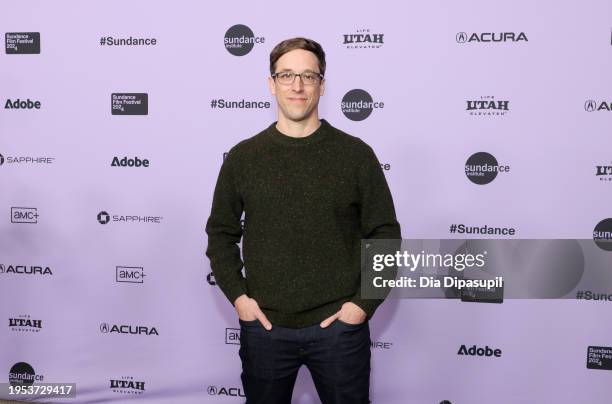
x: 300, y: 128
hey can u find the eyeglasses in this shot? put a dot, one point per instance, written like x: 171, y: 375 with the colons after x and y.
x: 308, y: 78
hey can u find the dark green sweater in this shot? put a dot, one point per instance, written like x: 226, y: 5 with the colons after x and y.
x: 307, y: 202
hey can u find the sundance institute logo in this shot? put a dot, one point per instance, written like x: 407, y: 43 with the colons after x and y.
x: 239, y: 40
x: 482, y: 168
x: 358, y: 104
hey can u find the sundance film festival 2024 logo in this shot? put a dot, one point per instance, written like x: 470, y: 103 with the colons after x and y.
x: 22, y: 43
x: 490, y: 37
x: 597, y: 106
x: 363, y: 39
x: 358, y: 104
x: 129, y: 104
x: 481, y: 168
x: 240, y: 40
x: 487, y: 106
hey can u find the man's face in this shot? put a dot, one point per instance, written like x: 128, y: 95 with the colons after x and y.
x: 297, y: 102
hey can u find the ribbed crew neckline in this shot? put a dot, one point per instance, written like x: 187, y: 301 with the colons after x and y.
x: 316, y: 136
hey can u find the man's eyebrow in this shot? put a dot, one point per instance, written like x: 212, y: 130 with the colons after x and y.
x: 291, y: 70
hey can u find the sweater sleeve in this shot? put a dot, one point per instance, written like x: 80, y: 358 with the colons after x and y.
x: 224, y: 233
x: 377, y: 216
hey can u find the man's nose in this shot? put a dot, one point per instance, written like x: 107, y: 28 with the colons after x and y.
x: 297, y: 84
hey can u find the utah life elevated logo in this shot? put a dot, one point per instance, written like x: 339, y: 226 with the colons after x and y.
x: 127, y: 385
x: 22, y: 43
x: 487, y: 106
x: 24, y: 323
x: 363, y: 38
x: 240, y: 39
x: 481, y: 168
x: 490, y: 37
x: 604, y: 173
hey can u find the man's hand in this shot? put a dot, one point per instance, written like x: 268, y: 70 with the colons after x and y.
x: 248, y: 310
x: 349, y: 313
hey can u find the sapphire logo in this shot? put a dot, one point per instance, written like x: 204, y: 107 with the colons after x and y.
x: 103, y: 217
x: 240, y: 40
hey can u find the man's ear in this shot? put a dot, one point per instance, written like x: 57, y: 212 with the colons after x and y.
x: 322, y: 89
x: 272, y: 85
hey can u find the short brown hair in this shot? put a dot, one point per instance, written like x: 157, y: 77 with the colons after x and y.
x: 297, y: 43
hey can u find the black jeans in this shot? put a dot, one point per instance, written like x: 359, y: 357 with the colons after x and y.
x: 338, y: 358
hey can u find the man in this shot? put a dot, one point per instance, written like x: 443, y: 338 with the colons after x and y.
x: 309, y: 193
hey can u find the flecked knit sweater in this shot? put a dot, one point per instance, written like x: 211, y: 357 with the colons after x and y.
x: 307, y: 204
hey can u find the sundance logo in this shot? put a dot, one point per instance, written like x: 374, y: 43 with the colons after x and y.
x: 22, y: 374
x: 463, y: 37
x: 239, y: 40
x: 479, y: 351
x: 225, y: 391
x: 106, y: 328
x: 22, y: 43
x: 358, y: 104
x: 481, y: 168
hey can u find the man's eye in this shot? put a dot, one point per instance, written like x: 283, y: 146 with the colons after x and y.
x: 285, y: 75
x: 308, y: 76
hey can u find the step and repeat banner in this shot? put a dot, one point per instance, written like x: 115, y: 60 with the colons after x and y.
x: 490, y: 120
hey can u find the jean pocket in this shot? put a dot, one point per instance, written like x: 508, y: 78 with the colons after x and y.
x: 345, y: 324
x: 249, y: 323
